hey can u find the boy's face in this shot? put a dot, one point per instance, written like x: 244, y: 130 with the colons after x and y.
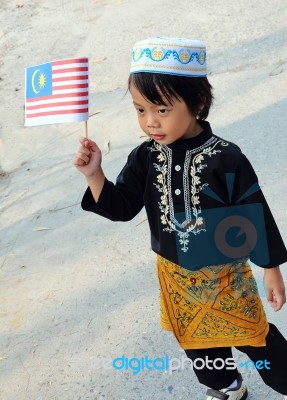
x: 165, y: 124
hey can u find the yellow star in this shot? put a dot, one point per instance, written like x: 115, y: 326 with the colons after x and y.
x: 42, y: 80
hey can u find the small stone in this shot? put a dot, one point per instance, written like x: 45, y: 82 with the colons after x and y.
x: 170, y: 389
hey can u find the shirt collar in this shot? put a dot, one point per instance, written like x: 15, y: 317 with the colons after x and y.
x: 197, y: 141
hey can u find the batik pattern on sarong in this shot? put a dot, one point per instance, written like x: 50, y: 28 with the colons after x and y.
x: 215, y: 306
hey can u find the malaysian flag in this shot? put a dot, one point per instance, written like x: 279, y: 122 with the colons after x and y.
x: 57, y: 91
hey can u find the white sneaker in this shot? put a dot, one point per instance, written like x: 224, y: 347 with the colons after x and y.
x: 237, y: 393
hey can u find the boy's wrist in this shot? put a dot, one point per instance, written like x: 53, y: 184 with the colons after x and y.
x: 271, y: 270
x: 96, y: 183
x: 96, y: 175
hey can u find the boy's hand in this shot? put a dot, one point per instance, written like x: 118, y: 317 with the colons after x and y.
x: 88, y: 158
x: 274, y: 288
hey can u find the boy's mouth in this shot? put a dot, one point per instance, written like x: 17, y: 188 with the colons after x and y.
x: 157, y: 137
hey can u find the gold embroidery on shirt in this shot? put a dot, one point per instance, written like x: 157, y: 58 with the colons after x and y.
x: 192, y: 186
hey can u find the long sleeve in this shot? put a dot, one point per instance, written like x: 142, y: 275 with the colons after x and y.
x: 123, y: 200
x: 269, y: 250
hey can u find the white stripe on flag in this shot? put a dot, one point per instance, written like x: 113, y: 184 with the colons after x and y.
x: 58, y: 108
x: 68, y: 83
x: 61, y: 100
x: 67, y: 74
x: 67, y: 91
x: 55, y: 119
x: 72, y: 65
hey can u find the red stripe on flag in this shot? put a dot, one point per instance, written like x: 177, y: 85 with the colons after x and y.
x: 60, y: 104
x: 57, y: 96
x: 65, y: 70
x: 70, y: 78
x: 47, y: 113
x: 71, y: 61
x: 76, y: 86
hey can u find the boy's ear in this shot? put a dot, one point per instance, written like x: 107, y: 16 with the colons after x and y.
x: 200, y: 108
x: 202, y: 102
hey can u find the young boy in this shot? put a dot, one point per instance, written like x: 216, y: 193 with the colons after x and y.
x: 196, y: 188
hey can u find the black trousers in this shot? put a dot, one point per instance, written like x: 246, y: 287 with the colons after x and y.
x: 275, y: 352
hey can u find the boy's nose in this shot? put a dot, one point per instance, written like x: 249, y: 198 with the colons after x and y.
x: 152, y: 122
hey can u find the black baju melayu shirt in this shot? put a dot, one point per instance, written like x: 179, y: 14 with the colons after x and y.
x: 203, y: 202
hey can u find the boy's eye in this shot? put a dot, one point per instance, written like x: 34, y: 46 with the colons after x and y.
x: 140, y: 110
x: 163, y: 111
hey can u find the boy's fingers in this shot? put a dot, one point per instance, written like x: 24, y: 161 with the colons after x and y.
x: 83, y: 141
x: 81, y: 159
x: 269, y: 294
x: 78, y: 162
x: 277, y: 300
x: 277, y: 305
x: 88, y: 144
x: 280, y: 299
x: 84, y: 157
x: 84, y: 150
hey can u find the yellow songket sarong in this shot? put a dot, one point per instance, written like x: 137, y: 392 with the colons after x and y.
x: 215, y: 306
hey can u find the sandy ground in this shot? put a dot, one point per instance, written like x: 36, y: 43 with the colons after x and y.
x: 75, y: 288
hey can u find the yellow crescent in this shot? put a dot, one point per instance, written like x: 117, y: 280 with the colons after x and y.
x: 33, y: 81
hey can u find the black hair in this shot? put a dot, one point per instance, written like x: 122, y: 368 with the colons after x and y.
x: 196, y: 92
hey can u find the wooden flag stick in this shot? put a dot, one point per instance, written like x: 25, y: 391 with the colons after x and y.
x: 86, y: 129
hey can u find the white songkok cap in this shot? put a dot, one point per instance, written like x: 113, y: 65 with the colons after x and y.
x: 173, y: 56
